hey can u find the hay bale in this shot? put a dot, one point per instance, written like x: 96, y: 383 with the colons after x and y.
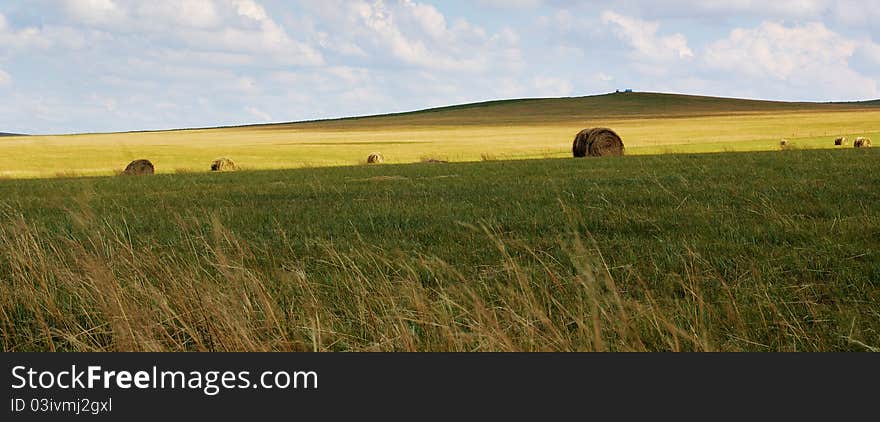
x: 223, y: 164
x: 862, y: 143
x: 840, y: 141
x: 604, y: 142
x: 597, y: 142
x: 581, y: 143
x: 783, y: 143
x: 139, y: 168
x: 375, y: 158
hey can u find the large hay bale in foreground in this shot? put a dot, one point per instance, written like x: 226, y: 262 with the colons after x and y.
x: 375, y: 158
x: 840, y: 141
x: 139, y: 168
x: 581, y: 143
x: 604, y: 141
x: 223, y: 164
x: 862, y: 143
x: 597, y: 142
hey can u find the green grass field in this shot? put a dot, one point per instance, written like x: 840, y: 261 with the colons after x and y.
x: 519, y: 129
x: 737, y: 251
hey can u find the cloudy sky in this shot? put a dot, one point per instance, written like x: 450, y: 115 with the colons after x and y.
x: 109, y: 65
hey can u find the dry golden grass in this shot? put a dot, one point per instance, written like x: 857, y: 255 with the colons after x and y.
x: 102, y: 295
x: 648, y: 124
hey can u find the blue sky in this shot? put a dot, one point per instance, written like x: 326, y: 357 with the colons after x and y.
x: 110, y: 65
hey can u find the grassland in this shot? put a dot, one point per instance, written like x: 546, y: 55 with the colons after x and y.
x: 744, y: 251
x: 518, y: 129
x: 753, y: 251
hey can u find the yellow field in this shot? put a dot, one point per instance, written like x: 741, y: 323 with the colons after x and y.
x: 528, y: 129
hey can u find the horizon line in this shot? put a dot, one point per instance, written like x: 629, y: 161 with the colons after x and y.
x: 434, y: 109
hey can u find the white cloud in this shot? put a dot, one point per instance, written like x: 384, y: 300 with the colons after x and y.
x: 95, y: 11
x: 380, y: 20
x: 511, y: 4
x: 642, y: 36
x: 259, y: 114
x: 412, y: 33
x: 5, y: 79
x: 25, y: 38
x: 849, y: 12
x: 215, y: 27
x: 31, y: 38
x: 805, y: 57
x: 186, y: 13
x: 604, y: 77
x: 350, y: 75
x: 251, y: 9
x: 332, y: 79
x: 552, y: 87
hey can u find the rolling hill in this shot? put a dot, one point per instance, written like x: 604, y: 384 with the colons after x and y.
x: 650, y: 123
x: 558, y: 110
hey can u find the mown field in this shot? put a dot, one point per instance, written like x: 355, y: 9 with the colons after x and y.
x: 740, y: 251
x: 517, y: 129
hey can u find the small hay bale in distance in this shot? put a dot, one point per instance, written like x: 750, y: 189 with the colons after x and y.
x: 862, y: 143
x: 223, y: 164
x: 375, y: 158
x: 597, y: 142
x: 841, y: 141
x: 783, y: 143
x: 139, y: 168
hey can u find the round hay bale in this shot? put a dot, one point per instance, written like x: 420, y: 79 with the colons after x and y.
x: 223, y: 164
x: 840, y: 141
x: 597, y: 142
x: 862, y: 143
x: 375, y: 158
x: 581, y: 145
x: 783, y: 143
x: 604, y: 142
x: 139, y: 168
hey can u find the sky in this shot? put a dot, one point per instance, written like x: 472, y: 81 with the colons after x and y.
x: 73, y: 66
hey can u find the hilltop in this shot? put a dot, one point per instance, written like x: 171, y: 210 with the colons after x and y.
x: 559, y: 110
x: 550, y: 111
x: 531, y: 111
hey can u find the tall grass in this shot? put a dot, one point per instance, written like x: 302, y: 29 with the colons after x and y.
x: 99, y: 293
